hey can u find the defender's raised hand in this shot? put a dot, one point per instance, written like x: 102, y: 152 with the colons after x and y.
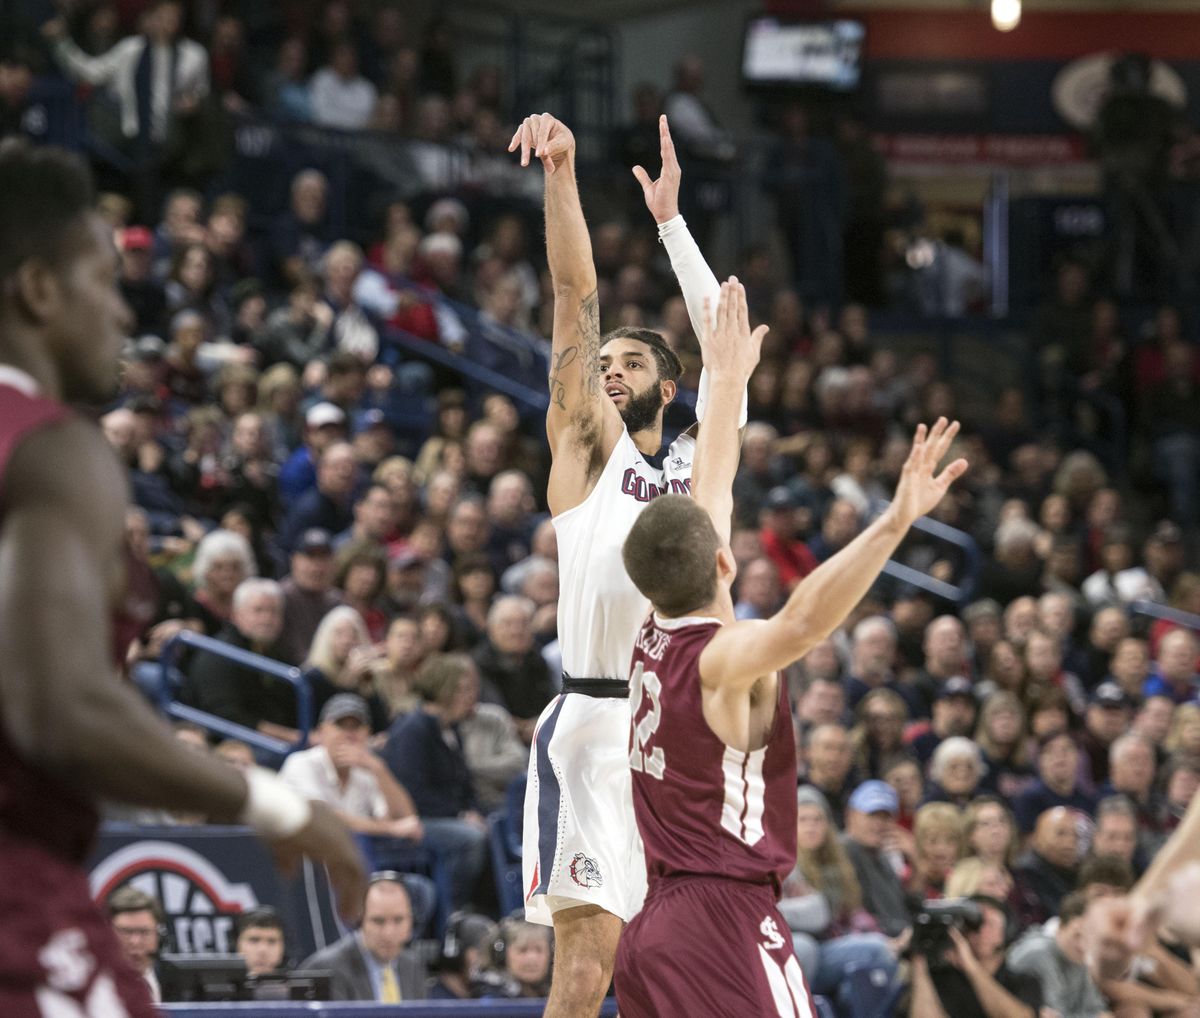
x: 547, y: 137
x: 662, y: 195
x: 730, y: 348
x: 920, y: 488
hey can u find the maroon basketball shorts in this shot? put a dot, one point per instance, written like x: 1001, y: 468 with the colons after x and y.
x: 708, y: 947
x: 58, y: 955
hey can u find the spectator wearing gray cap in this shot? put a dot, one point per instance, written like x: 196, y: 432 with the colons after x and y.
x: 870, y: 816
x: 308, y: 594
x: 342, y: 772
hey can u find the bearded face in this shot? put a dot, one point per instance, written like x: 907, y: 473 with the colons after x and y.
x: 630, y: 379
x: 640, y: 410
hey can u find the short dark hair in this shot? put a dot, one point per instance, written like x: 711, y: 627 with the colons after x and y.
x: 670, y: 554
x: 262, y: 917
x: 669, y: 365
x: 45, y: 195
x: 1105, y: 869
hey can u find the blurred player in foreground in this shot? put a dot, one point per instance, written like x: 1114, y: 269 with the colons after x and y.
x: 1166, y: 899
x: 712, y: 751
x: 71, y: 732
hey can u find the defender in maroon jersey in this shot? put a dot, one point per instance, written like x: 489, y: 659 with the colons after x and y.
x: 711, y: 746
x: 70, y: 731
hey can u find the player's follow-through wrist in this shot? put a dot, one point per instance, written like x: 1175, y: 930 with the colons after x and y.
x: 273, y: 808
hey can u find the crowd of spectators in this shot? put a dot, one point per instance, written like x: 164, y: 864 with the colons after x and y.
x: 307, y: 488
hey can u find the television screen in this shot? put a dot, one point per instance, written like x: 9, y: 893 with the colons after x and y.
x: 825, y: 53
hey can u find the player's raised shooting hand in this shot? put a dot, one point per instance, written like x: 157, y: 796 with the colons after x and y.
x: 662, y: 195
x: 325, y: 839
x: 731, y: 349
x: 547, y: 137
x: 921, y: 487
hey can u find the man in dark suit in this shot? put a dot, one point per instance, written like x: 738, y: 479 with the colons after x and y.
x: 373, y: 963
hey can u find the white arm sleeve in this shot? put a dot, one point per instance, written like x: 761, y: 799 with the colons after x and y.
x: 698, y: 284
x: 696, y: 279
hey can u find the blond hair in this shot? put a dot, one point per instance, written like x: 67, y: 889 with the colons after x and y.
x: 939, y: 818
x: 1183, y: 714
x: 964, y: 878
x: 320, y: 653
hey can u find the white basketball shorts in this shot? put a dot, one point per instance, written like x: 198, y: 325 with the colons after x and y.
x: 581, y: 843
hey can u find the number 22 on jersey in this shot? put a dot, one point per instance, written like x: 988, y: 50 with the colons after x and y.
x: 644, y: 758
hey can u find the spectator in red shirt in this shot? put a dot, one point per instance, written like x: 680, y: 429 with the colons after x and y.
x: 780, y: 542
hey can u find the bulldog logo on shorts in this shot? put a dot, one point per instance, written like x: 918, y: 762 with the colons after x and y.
x: 585, y: 872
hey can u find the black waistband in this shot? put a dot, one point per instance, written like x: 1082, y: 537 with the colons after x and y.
x: 614, y: 688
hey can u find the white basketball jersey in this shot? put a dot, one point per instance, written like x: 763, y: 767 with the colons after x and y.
x: 600, y: 611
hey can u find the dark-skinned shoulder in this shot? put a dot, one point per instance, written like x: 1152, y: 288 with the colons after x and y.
x: 70, y: 466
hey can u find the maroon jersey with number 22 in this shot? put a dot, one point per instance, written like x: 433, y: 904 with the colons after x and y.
x: 719, y: 828
x: 702, y: 806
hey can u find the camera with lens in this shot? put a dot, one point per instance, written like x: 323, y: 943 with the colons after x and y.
x: 932, y: 925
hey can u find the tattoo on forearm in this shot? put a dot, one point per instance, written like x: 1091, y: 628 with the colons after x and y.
x: 557, y: 389
x: 589, y: 332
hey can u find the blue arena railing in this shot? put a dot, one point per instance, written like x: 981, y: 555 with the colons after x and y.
x: 959, y: 594
x: 275, y: 749
x: 1187, y: 620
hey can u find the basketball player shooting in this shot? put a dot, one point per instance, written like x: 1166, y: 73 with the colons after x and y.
x: 583, y: 866
x: 71, y: 732
x: 711, y: 749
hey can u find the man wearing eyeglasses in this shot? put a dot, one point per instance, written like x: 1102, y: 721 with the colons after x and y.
x: 138, y: 923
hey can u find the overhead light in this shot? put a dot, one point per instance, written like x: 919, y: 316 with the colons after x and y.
x: 1006, y: 14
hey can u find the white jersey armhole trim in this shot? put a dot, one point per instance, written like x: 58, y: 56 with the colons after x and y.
x: 567, y: 513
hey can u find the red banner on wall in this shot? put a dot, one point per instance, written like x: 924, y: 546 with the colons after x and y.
x: 982, y: 149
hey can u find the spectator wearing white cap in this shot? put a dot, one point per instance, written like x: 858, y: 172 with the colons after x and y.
x: 324, y: 424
